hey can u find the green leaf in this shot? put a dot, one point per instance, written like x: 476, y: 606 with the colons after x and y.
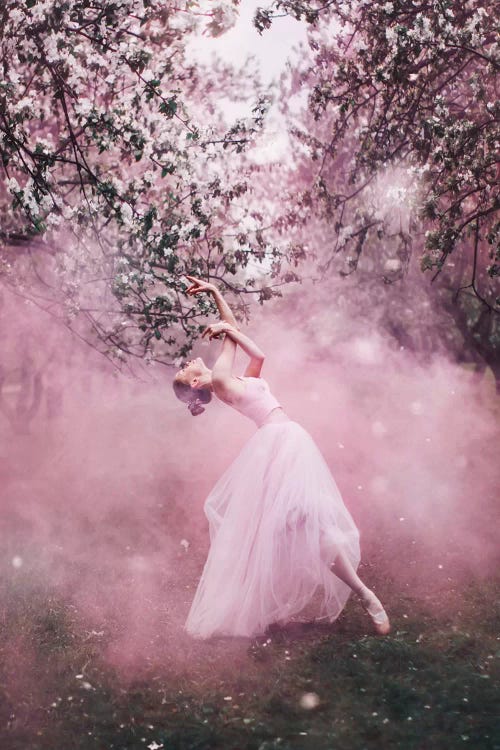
x: 169, y: 108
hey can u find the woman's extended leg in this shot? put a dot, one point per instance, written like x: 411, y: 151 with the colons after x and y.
x: 341, y: 566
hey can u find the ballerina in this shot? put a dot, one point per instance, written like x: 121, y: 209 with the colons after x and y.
x: 279, y: 529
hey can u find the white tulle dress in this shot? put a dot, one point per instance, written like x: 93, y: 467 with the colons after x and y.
x: 276, y: 519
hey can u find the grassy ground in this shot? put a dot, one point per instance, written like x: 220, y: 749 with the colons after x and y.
x: 72, y: 679
x: 432, y: 684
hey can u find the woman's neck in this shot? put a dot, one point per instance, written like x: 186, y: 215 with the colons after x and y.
x: 205, y: 380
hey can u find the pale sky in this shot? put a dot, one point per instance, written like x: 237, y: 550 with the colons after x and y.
x: 271, y: 51
x: 271, y: 48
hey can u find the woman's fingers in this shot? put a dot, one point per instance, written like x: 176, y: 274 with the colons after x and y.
x: 213, y: 331
x: 194, y: 289
x: 195, y: 285
x: 209, y: 331
x: 195, y: 281
x: 198, y: 285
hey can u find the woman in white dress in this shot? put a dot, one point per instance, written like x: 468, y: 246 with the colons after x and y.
x: 279, y: 529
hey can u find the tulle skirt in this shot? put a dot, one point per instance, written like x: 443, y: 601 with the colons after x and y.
x: 276, y: 519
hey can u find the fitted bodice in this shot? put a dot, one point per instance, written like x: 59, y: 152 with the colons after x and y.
x: 257, y: 400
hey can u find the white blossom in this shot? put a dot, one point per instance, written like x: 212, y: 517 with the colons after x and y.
x: 13, y: 185
x: 25, y: 103
x: 126, y: 214
x: 224, y: 17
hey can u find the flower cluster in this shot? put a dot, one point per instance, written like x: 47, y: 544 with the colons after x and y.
x: 106, y: 167
x: 408, y: 86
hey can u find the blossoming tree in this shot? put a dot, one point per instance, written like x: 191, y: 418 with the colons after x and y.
x: 115, y: 179
x: 119, y: 174
x: 403, y: 118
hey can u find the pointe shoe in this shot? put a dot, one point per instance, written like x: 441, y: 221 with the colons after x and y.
x: 378, y: 615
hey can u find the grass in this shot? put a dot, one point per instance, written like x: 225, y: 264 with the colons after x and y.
x: 432, y: 684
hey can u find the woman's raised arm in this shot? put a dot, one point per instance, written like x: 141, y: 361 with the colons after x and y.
x: 256, y: 355
x: 225, y: 312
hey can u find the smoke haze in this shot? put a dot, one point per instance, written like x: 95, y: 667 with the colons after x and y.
x: 103, y: 490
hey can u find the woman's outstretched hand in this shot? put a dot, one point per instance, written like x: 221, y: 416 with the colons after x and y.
x: 214, y: 330
x: 198, y: 285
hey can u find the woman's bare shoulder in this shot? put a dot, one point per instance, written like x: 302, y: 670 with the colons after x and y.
x: 229, y: 389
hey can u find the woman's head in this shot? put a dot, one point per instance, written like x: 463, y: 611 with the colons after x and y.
x: 192, y: 384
